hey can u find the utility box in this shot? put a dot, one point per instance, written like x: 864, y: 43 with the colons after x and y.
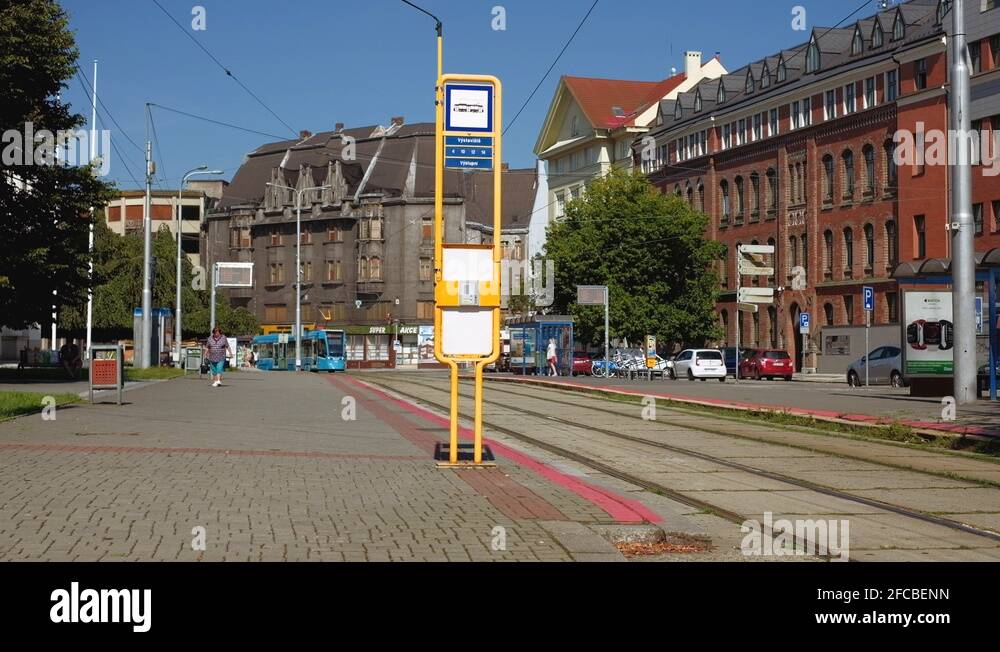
x: 159, y: 339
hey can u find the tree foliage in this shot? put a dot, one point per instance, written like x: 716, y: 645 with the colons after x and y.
x: 44, y: 208
x: 649, y: 249
x: 118, y: 276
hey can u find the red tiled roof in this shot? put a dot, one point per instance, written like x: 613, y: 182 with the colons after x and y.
x: 597, y: 97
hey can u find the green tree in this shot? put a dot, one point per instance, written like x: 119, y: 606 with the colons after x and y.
x: 44, y: 207
x: 649, y: 249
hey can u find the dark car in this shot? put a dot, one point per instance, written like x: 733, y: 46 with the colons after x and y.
x: 581, y: 363
x: 729, y: 354
x: 767, y: 363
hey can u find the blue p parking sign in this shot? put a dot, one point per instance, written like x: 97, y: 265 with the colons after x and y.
x: 869, y: 296
x: 804, y: 323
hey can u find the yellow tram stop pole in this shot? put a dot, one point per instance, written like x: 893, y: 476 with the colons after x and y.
x: 467, y: 276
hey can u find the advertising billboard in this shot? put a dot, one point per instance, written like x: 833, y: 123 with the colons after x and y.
x: 928, y: 333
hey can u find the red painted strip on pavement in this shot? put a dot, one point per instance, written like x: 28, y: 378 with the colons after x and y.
x: 739, y: 405
x: 78, y: 448
x: 618, y: 507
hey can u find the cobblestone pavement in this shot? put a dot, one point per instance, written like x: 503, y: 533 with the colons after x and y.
x: 703, y: 449
x: 269, y: 468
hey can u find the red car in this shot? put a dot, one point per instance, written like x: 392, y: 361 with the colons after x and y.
x: 581, y: 363
x: 767, y: 363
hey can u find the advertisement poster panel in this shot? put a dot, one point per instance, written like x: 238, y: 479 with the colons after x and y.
x: 929, y: 336
x: 425, y: 345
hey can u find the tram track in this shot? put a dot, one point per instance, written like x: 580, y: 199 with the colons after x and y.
x: 657, y: 487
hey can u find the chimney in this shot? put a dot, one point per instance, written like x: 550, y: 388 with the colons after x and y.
x: 692, y: 65
x: 339, y: 126
x: 398, y: 120
x: 305, y: 134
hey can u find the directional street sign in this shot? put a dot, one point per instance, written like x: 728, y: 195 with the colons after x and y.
x: 756, y: 249
x: 746, y: 307
x: 804, y: 323
x: 869, y: 296
x: 755, y: 295
x: 749, y: 269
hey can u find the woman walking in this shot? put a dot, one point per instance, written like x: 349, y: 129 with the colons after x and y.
x: 216, y: 351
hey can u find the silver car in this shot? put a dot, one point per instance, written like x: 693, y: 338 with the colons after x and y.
x: 885, y: 367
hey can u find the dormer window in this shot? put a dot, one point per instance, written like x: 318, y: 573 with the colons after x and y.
x: 677, y: 110
x: 812, y: 55
x: 720, y: 97
x: 877, y: 38
x: 749, y: 83
x: 782, y: 72
x: 857, y: 43
x: 765, y: 77
x: 942, y: 9
x: 697, y: 101
x: 898, y: 27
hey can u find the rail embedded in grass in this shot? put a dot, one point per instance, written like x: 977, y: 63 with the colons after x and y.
x: 15, y: 404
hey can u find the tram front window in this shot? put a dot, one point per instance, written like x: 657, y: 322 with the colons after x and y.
x: 335, y: 344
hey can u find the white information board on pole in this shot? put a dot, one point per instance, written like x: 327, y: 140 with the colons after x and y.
x: 467, y: 331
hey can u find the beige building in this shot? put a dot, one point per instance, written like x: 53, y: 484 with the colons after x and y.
x: 591, y: 124
x: 125, y: 212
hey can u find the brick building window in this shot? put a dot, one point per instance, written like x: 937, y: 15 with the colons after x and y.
x: 828, y: 251
x: 425, y: 269
x: 919, y: 226
x: 724, y: 268
x: 306, y: 237
x: 869, y: 155
x: 830, y: 105
x: 848, y: 249
x: 891, y: 171
x: 333, y: 234
x: 891, y: 85
x: 995, y: 50
x: 892, y: 306
x: 828, y: 313
x: 996, y: 215
x: 977, y: 218
x: 375, y: 268
x: 739, y: 197
x: 850, y: 102
x: 425, y: 310
x: 827, y: 179
x: 307, y: 272
x: 724, y: 189
x: 701, y: 197
x: 275, y: 237
x: 920, y: 74
x: 754, y: 194
x: 239, y: 237
x: 772, y: 190
x: 805, y: 253
x: 870, y: 98
x: 848, y: 172
x: 363, y: 269
x: 869, y: 247
x: 793, y: 252
x: 975, y: 58
x: 772, y: 122
x: 849, y: 308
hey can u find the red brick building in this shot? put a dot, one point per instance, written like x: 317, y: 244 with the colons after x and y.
x: 796, y: 150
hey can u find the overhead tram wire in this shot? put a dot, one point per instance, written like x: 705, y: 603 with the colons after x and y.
x: 226, y: 70
x: 108, y: 111
x: 121, y: 156
x: 554, y: 62
x: 218, y: 122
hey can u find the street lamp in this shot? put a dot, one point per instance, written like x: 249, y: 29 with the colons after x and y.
x: 201, y: 169
x: 298, y: 267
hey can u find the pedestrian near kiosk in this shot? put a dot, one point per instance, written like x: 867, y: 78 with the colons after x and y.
x: 216, y: 352
x: 550, y: 355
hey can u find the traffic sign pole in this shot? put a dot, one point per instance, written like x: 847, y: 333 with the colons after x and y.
x: 868, y: 293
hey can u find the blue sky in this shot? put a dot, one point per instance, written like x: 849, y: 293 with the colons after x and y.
x: 318, y: 62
